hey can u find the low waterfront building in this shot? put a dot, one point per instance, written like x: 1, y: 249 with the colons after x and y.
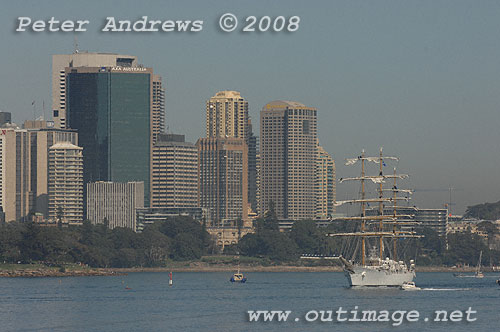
x: 147, y: 216
x: 466, y: 226
x: 436, y: 219
x: 227, y: 235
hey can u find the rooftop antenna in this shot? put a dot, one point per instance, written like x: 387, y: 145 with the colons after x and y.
x: 34, y: 115
x: 75, y: 44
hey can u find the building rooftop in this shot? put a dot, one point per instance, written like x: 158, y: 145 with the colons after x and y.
x: 228, y: 94
x: 65, y: 145
x: 284, y: 104
x: 98, y: 53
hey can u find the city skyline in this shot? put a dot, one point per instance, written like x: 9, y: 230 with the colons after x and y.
x: 418, y: 79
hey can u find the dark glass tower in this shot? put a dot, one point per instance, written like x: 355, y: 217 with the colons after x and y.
x: 111, y: 109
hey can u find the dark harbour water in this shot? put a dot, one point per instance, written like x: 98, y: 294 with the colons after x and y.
x: 209, y: 302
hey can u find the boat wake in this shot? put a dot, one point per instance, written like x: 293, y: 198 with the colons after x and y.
x: 446, y: 289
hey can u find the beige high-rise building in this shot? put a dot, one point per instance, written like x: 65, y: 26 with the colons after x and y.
x: 115, y: 202
x: 79, y: 59
x: 175, y: 173
x: 288, y: 159
x: 223, y: 179
x: 157, y: 106
x: 324, y: 184
x: 16, y: 197
x: 227, y: 115
x: 66, y: 183
x: 41, y: 140
x: 24, y: 169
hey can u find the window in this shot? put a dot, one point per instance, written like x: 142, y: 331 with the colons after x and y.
x: 305, y: 127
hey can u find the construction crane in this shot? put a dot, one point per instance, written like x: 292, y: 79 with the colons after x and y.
x: 450, y: 190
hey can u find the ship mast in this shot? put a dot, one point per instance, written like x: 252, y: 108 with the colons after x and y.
x: 394, y: 219
x: 394, y: 240
x: 381, y: 208
x: 363, y: 212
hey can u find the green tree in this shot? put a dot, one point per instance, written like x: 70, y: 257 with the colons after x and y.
x: 464, y: 248
x: 59, y: 216
x: 275, y: 245
x: 308, y: 238
x: 488, y: 211
x: 186, y: 247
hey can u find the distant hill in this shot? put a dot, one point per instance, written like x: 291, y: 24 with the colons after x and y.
x: 487, y: 211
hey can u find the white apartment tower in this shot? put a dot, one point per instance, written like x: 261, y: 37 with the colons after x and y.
x: 66, y: 183
x: 227, y: 116
x: 324, y: 184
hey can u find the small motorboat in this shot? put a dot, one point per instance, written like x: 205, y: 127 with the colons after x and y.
x: 238, y: 277
x: 410, y: 285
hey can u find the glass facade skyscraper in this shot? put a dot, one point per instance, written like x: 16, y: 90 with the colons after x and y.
x: 111, y: 109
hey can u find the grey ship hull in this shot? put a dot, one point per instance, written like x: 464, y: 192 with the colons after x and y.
x: 360, y: 276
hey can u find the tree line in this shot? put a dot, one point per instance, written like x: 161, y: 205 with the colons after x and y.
x: 485, y: 211
x: 184, y: 239
x: 306, y: 238
x: 178, y: 238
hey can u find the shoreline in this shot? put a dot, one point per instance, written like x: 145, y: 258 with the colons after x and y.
x: 39, y: 272
x: 47, y: 273
x: 280, y: 268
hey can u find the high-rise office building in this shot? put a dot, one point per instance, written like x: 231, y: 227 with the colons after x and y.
x: 40, y: 142
x: 79, y: 59
x: 65, y: 183
x: 24, y: 169
x: 115, y: 203
x: 253, y: 149
x: 288, y: 159
x: 157, y: 107
x: 324, y: 185
x: 227, y: 115
x: 257, y: 186
x: 5, y: 118
x: 16, y: 199
x: 223, y: 178
x: 175, y: 173
x: 112, y: 109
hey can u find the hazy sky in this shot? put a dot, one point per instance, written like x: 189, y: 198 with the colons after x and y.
x: 420, y: 78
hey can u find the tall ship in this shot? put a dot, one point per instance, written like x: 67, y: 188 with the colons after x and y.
x: 377, y: 264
